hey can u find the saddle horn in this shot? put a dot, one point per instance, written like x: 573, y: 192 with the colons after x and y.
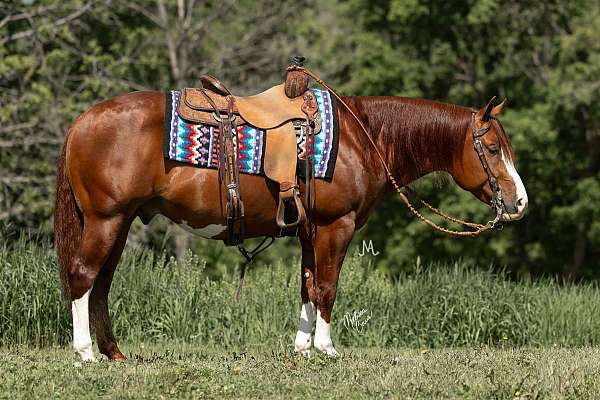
x: 296, y: 82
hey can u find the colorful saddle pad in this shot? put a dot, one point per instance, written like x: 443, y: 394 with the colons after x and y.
x: 196, y: 144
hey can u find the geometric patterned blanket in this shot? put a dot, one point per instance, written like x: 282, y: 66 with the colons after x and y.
x: 195, y: 144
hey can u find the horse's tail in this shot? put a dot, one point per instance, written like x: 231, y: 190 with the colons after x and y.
x: 68, y: 223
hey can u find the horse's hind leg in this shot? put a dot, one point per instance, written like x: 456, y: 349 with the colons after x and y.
x: 99, y: 238
x: 107, y: 343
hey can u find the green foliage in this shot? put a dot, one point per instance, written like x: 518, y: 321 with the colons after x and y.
x: 57, y: 58
x: 155, y: 299
x: 544, y: 58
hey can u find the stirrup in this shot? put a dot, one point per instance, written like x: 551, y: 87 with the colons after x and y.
x: 288, y: 194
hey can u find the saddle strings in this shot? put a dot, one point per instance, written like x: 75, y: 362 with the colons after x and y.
x: 478, y: 228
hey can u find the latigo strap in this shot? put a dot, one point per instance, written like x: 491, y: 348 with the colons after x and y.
x: 229, y: 169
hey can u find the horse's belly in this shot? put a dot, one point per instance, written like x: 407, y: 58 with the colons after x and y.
x: 191, y: 198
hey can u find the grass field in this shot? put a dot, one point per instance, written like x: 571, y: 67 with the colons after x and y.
x: 175, y: 371
x: 439, y: 331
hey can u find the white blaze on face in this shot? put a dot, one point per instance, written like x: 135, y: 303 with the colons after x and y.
x: 82, y: 341
x: 521, y: 192
x: 323, y: 341
x: 207, y: 232
x: 304, y: 334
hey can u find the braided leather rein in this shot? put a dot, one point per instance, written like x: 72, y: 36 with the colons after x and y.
x: 477, y: 229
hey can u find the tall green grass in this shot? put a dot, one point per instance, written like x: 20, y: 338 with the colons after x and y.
x: 154, y: 299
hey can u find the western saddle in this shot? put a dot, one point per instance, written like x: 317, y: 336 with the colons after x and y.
x: 278, y: 111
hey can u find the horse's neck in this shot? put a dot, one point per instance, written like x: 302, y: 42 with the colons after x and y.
x: 416, y: 136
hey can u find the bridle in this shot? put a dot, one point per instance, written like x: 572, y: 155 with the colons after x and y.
x: 497, y: 202
x: 476, y: 229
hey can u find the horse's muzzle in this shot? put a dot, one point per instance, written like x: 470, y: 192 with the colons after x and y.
x: 516, y: 211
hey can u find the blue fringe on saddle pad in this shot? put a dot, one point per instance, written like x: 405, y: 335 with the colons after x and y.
x: 195, y: 144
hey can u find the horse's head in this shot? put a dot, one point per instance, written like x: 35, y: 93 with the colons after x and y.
x: 486, y: 166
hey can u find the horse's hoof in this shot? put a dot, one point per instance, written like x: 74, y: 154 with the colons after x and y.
x: 304, y: 352
x: 302, y: 344
x: 86, y: 356
x: 118, y: 356
x: 328, y: 350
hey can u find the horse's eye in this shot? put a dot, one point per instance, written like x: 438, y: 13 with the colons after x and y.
x: 494, y: 150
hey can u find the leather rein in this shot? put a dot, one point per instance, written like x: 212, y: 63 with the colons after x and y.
x: 476, y: 229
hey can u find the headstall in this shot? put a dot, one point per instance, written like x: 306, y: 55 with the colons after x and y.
x: 497, y: 202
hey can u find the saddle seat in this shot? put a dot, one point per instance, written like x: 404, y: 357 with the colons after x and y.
x: 267, y: 110
x: 272, y: 111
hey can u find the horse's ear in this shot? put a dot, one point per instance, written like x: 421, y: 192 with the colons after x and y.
x: 484, y: 113
x: 498, y: 109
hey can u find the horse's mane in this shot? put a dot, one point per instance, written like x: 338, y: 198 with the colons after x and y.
x: 417, y: 135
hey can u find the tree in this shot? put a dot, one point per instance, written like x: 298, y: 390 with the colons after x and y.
x: 540, y: 56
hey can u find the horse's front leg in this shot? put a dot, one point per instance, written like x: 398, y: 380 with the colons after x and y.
x: 331, y: 245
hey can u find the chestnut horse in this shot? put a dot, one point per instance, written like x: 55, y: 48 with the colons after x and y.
x: 113, y: 169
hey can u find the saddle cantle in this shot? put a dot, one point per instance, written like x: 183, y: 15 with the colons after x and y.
x: 273, y: 111
x: 211, y: 83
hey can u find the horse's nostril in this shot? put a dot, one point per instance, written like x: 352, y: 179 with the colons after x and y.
x: 520, y: 202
